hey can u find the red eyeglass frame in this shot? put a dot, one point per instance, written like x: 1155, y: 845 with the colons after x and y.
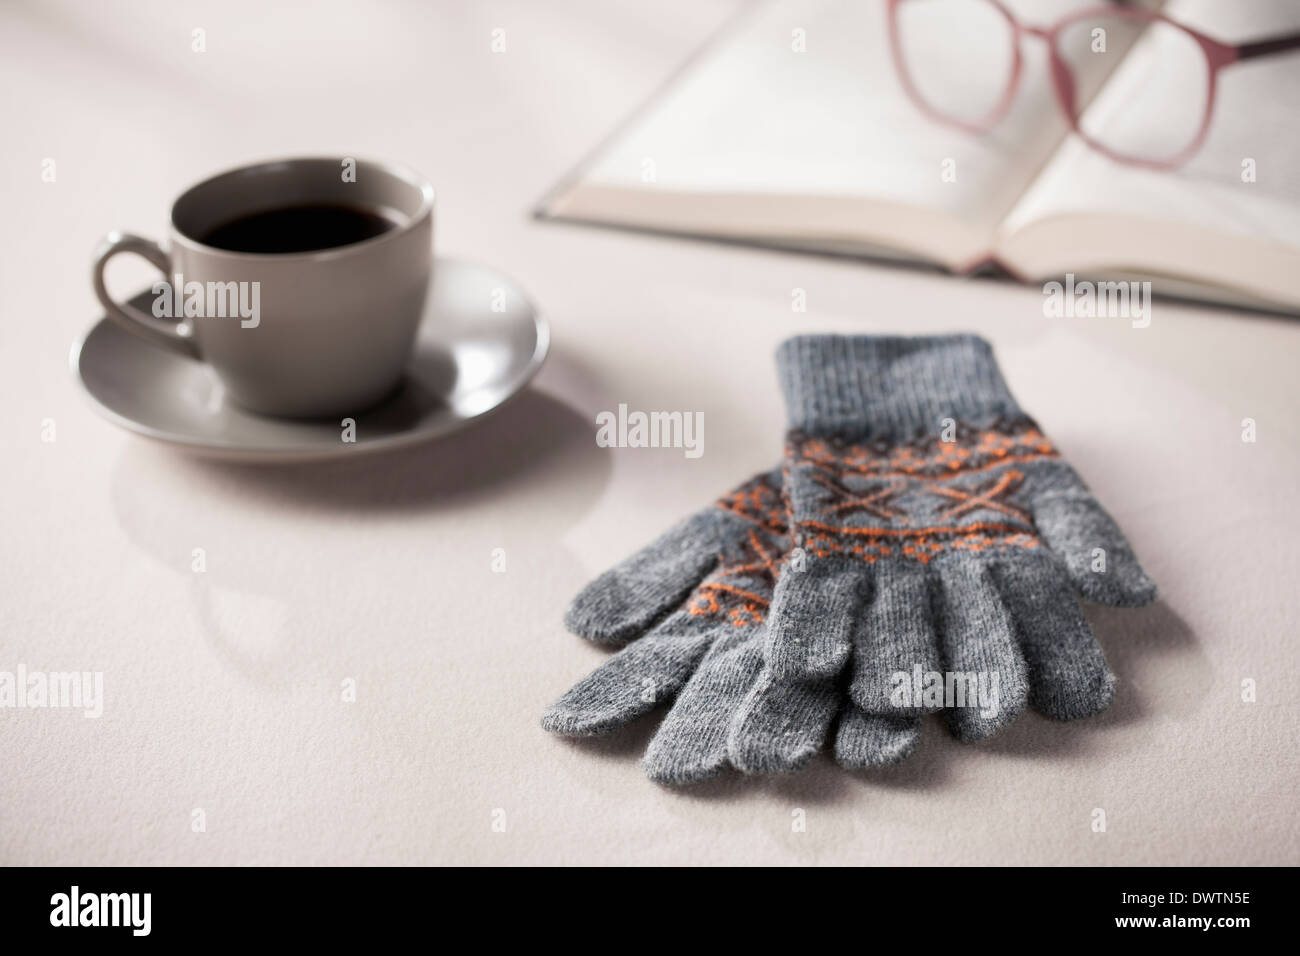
x: 1217, y: 55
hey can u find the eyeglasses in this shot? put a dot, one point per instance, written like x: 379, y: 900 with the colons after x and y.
x: 960, y: 62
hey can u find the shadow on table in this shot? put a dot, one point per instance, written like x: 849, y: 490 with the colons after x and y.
x: 534, y: 432
x: 282, y: 546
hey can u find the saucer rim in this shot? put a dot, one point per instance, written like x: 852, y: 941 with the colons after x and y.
x: 403, y: 439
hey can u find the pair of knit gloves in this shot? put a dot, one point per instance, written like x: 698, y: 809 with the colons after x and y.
x: 918, y: 549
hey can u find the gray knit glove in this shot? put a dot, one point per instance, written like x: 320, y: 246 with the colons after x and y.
x: 693, y: 606
x: 944, y: 539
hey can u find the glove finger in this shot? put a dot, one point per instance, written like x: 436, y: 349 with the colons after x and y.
x: 1098, y: 558
x: 810, y: 626
x: 984, y: 683
x: 631, y: 683
x: 691, y: 743
x: 781, y: 725
x: 630, y: 597
x: 896, y: 636
x: 865, y: 740
x: 1068, y: 676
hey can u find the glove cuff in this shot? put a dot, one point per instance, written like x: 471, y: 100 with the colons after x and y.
x: 890, y: 386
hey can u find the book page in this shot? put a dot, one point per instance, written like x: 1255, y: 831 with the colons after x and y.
x: 803, y: 100
x: 1238, y: 195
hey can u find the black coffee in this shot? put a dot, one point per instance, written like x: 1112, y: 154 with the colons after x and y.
x: 298, y: 229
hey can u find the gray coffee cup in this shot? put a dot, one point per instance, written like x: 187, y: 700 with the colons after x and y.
x: 304, y: 334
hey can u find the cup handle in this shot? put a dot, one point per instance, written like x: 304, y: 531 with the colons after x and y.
x: 177, y: 336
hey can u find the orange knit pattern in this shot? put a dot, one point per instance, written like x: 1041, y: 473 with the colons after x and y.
x: 740, y: 588
x: 918, y: 499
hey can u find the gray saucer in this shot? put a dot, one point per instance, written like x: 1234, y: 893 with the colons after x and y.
x: 469, y: 359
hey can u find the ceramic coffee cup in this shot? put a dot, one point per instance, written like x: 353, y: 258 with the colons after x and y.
x: 312, y: 332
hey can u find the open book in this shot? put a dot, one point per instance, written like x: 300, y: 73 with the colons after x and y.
x: 794, y: 129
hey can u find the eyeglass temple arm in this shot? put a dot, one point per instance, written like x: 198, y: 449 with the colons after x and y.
x: 1248, y: 51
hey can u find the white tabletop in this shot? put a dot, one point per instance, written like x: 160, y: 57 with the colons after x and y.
x: 223, y: 689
